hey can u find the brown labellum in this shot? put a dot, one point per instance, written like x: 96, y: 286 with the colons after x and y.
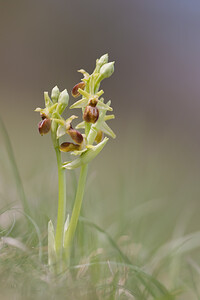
x: 91, y: 114
x: 93, y: 102
x: 43, y: 116
x: 99, y: 137
x: 67, y: 147
x: 44, y: 126
x: 75, y: 135
x: 79, y: 85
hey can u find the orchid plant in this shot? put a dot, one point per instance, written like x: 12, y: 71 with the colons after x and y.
x: 83, y: 146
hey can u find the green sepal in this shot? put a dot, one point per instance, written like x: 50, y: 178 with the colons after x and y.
x: 107, y: 130
x: 70, y: 119
x: 78, y: 152
x: 101, y: 92
x: 85, y: 74
x: 86, y: 157
x: 52, y: 108
x: 38, y: 109
x: 52, y: 257
x: 43, y: 111
x: 60, y: 131
x: 80, y: 103
x: 84, y: 93
x: 80, y: 125
x: 64, y: 125
x: 47, y: 100
x: 59, y: 121
x: 104, y: 106
x: 109, y: 117
x: 108, y: 103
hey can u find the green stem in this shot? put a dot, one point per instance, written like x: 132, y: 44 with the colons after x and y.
x: 76, y: 209
x: 61, y: 205
x: 61, y: 196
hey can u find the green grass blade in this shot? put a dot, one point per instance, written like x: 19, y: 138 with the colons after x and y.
x: 12, y: 159
x: 37, y: 230
x: 146, y: 279
x: 112, y: 242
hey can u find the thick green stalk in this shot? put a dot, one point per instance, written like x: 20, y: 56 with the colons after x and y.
x: 61, y: 196
x: 76, y: 209
x: 61, y: 205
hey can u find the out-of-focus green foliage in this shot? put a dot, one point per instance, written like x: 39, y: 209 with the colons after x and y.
x: 140, y: 239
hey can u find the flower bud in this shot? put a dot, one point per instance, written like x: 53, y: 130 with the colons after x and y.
x: 102, y: 60
x: 107, y: 70
x: 44, y: 126
x: 99, y: 137
x: 91, y: 114
x: 62, y: 101
x: 80, y: 85
x: 75, y: 135
x: 55, y: 94
x: 67, y: 147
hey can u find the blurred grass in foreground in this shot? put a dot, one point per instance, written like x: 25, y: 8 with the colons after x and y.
x: 138, y: 237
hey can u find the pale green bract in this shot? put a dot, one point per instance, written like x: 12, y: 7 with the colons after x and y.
x: 51, y: 244
x: 86, y: 157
